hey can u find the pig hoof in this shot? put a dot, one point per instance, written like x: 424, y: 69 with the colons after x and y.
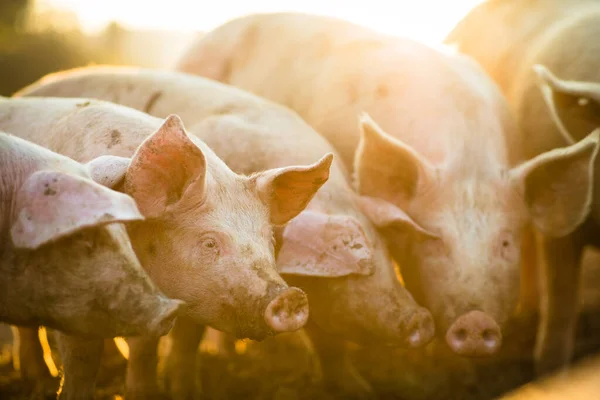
x: 288, y: 311
x: 474, y: 334
x: 420, y: 329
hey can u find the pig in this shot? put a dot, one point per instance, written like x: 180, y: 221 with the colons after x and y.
x: 67, y: 262
x: 330, y: 250
x: 539, y: 39
x: 207, y: 234
x: 66, y: 259
x: 427, y: 133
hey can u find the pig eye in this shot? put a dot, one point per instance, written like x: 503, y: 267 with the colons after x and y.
x: 210, y: 244
x: 506, y: 245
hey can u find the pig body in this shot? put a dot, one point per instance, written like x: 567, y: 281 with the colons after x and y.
x: 202, y: 220
x: 439, y: 153
x: 330, y: 250
x: 547, y: 67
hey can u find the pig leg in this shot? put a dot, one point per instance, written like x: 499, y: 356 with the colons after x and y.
x: 141, y: 381
x: 559, y: 303
x: 180, y: 369
x: 81, y: 361
x: 339, y: 374
x: 32, y: 365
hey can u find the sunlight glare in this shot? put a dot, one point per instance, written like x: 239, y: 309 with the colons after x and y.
x: 425, y: 20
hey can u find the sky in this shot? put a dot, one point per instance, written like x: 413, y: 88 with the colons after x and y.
x: 424, y: 20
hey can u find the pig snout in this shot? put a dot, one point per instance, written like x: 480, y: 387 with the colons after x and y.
x: 163, y: 322
x: 474, y: 334
x: 288, y: 311
x: 420, y: 329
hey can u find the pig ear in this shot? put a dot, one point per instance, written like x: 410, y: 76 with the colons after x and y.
x: 51, y: 205
x: 386, y: 168
x: 317, y: 244
x: 558, y: 186
x: 567, y: 94
x: 288, y: 190
x: 163, y: 167
x: 108, y: 171
x: 386, y: 215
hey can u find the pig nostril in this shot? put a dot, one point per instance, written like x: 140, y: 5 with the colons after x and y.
x: 420, y: 329
x: 461, y: 335
x: 489, y: 337
x: 288, y: 311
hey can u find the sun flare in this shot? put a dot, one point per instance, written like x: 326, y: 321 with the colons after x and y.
x: 425, y: 20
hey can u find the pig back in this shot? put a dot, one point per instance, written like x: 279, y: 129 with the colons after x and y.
x: 81, y: 129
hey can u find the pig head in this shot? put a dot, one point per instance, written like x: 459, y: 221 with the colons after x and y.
x: 458, y: 237
x: 69, y: 263
x: 207, y: 237
x: 350, y: 281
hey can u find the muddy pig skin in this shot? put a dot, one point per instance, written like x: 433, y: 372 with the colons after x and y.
x: 65, y: 257
x: 431, y: 143
x: 206, y: 237
x: 545, y: 59
x: 330, y: 250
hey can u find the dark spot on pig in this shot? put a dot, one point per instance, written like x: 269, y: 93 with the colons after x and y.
x: 49, y: 191
x: 382, y: 91
x: 84, y: 104
x: 152, y: 249
x: 151, y: 101
x: 115, y: 138
x: 356, y: 246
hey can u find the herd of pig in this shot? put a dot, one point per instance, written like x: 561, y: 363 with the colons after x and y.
x: 468, y: 169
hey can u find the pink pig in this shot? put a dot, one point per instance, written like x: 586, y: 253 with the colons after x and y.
x: 66, y: 259
x: 438, y: 152
x: 330, y: 250
x: 207, y: 237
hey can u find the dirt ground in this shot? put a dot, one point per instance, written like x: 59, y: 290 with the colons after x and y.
x: 281, y: 368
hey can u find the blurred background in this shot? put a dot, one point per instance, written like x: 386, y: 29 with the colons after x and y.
x: 42, y: 36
